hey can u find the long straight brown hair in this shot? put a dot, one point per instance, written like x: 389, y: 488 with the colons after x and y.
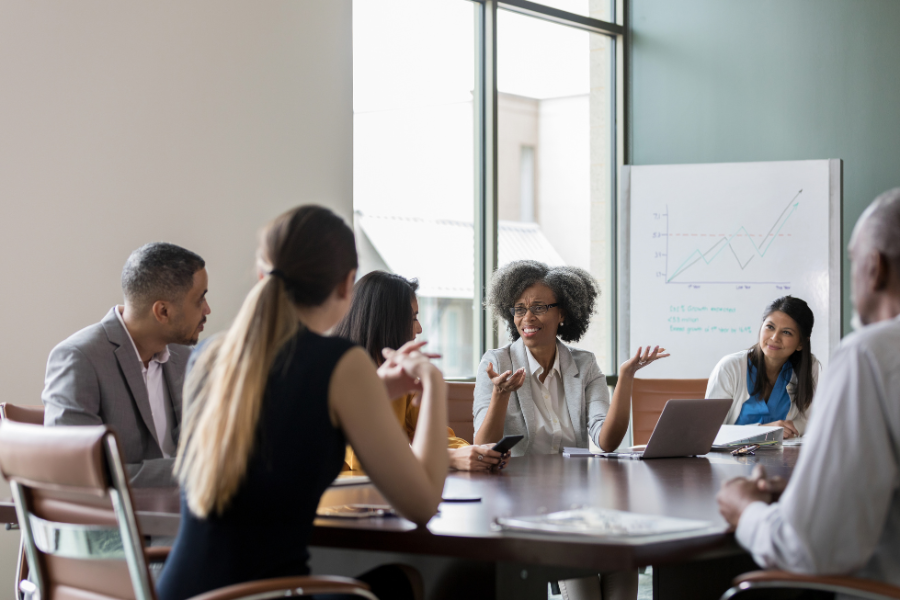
x: 304, y: 254
x: 802, y: 360
x: 380, y: 314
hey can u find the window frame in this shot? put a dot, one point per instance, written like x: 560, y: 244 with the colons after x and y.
x: 486, y: 195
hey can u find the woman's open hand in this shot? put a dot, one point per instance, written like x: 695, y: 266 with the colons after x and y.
x: 506, y: 382
x: 403, y: 369
x: 641, y: 358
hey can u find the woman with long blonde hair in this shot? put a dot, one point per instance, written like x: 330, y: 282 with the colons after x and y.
x: 270, y: 406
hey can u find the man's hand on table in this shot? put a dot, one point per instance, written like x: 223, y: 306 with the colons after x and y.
x: 738, y: 493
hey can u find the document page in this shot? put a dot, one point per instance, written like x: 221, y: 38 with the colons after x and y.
x: 601, y: 522
x: 732, y: 435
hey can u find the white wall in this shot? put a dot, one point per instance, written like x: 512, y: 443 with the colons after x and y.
x: 128, y: 122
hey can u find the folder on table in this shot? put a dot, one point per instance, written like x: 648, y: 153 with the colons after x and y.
x: 730, y: 436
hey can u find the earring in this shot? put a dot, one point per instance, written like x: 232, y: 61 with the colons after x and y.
x: 561, y: 323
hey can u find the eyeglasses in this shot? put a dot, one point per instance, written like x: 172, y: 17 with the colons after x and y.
x: 537, y: 309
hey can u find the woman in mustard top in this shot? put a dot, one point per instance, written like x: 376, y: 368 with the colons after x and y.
x: 384, y: 314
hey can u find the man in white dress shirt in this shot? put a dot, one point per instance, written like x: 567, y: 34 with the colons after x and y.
x: 840, y: 512
x: 128, y: 370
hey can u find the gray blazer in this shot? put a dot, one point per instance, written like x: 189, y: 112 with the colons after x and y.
x: 587, y: 395
x: 94, y: 378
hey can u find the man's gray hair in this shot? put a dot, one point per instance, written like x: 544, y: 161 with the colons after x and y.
x: 159, y: 271
x: 575, y: 290
x: 880, y: 224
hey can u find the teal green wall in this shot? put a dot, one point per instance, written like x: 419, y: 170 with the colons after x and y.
x: 752, y: 80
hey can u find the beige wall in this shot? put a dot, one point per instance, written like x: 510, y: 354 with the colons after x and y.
x: 128, y: 122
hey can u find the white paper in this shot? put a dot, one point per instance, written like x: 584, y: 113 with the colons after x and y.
x: 601, y: 522
x: 568, y: 452
x: 343, y: 479
x: 738, y: 434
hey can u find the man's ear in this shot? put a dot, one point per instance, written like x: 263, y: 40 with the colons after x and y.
x: 881, y: 271
x: 161, y: 311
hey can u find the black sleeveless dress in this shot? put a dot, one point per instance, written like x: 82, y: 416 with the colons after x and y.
x: 265, y: 530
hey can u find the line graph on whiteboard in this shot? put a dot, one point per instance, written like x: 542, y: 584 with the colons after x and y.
x: 745, y: 254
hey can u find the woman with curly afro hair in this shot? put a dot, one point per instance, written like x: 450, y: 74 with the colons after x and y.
x: 537, y: 386
x: 553, y: 394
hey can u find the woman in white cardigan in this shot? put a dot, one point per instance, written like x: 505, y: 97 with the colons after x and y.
x: 773, y: 382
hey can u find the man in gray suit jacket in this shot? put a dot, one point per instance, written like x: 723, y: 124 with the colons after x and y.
x: 128, y: 370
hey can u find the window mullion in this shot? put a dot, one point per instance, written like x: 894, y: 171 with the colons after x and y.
x: 486, y: 171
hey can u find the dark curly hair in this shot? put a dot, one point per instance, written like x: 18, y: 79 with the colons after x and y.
x: 575, y: 290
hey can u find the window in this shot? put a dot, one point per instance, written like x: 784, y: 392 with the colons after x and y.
x: 413, y: 159
x: 483, y: 133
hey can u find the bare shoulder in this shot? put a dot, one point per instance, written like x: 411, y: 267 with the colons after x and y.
x: 355, y: 362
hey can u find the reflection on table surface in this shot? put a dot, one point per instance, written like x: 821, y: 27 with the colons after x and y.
x: 678, y: 487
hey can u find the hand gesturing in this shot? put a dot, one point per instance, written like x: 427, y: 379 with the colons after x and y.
x: 641, y: 359
x: 507, y: 381
x: 402, y: 369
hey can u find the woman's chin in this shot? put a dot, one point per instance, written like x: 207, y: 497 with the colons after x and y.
x: 536, y: 340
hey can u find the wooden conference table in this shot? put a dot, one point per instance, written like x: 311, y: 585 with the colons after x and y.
x: 688, y: 566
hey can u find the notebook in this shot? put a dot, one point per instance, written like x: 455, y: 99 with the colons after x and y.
x: 730, y: 436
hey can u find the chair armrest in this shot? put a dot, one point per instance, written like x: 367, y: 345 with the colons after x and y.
x: 863, y: 588
x: 157, y: 554
x: 300, y: 586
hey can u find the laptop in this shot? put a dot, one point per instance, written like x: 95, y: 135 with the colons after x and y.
x: 685, y: 428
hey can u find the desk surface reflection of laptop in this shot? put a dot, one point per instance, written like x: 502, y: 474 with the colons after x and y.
x: 685, y: 428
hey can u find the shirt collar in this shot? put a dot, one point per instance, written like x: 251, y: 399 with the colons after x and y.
x: 159, y: 357
x: 535, y: 367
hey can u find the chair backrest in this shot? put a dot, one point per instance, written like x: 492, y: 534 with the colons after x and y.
x: 649, y: 397
x: 75, y: 512
x: 22, y: 414
x: 35, y: 416
x: 460, y: 397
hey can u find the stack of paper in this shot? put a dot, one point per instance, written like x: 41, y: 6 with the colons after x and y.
x: 739, y: 435
x: 347, y: 478
x: 601, y: 522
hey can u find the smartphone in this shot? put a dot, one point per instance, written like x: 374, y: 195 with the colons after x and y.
x: 507, y: 443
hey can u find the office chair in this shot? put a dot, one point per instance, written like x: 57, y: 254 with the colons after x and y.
x: 649, y: 397
x: 78, y: 524
x: 460, y: 397
x: 35, y: 416
x: 853, y: 586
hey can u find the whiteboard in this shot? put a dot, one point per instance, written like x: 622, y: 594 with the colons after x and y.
x: 704, y: 248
